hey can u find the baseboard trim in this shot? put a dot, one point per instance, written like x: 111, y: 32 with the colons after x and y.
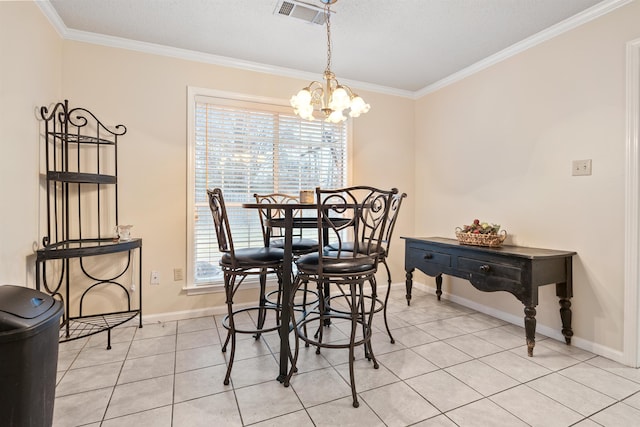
x: 182, y: 315
x: 547, y: 331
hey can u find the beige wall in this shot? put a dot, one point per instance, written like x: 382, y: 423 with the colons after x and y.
x: 30, y: 70
x: 498, y: 146
x: 148, y: 94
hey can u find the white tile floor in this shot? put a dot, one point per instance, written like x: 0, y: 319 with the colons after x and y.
x: 450, y: 366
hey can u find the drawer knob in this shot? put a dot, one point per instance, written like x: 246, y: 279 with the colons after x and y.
x: 428, y: 256
x: 485, y: 268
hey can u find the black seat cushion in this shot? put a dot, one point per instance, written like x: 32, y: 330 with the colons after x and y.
x: 253, y: 256
x: 348, y: 246
x: 332, y: 264
x: 298, y: 244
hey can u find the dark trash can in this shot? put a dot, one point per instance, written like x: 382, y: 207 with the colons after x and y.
x: 29, y: 327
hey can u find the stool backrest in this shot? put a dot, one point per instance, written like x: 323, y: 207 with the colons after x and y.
x: 355, y: 219
x: 394, y: 209
x: 269, y: 213
x: 220, y: 221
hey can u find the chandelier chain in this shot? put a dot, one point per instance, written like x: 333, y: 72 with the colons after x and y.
x: 327, y: 12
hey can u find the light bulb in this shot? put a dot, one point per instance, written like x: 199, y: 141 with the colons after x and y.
x: 336, y: 117
x: 305, y: 112
x: 302, y: 98
x: 358, y: 106
x: 339, y: 99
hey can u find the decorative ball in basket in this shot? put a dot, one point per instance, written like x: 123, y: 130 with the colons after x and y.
x: 481, y: 234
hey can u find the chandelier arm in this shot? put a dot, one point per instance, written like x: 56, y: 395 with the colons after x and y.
x: 347, y: 89
x: 317, y: 96
x: 317, y: 84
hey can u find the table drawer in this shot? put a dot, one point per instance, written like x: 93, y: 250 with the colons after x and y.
x: 476, y: 266
x: 427, y: 256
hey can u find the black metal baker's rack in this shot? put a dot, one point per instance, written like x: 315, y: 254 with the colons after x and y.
x: 81, y: 179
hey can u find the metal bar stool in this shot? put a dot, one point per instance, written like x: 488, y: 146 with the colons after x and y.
x: 341, y: 213
x: 394, y: 209
x: 274, y: 238
x: 237, y: 265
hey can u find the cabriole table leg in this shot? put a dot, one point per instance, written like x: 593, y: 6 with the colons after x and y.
x: 530, y: 328
x: 409, y: 285
x: 565, y: 316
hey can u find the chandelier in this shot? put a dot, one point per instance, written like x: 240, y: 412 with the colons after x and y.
x: 332, y: 98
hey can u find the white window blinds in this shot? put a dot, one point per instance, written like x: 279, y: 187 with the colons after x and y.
x: 247, y: 148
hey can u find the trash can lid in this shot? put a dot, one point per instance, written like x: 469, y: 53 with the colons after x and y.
x: 20, y: 306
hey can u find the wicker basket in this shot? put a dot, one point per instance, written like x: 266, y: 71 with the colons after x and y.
x: 489, y: 240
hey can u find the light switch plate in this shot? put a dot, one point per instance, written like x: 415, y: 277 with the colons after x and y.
x: 581, y: 167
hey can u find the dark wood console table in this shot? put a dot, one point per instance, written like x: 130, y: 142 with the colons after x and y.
x: 517, y: 270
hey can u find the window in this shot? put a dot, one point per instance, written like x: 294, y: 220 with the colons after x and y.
x: 247, y: 146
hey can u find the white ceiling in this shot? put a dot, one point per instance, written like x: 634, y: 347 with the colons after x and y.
x: 398, y: 46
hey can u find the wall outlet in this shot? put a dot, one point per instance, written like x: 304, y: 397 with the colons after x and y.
x: 178, y: 275
x: 581, y: 167
x: 155, y: 277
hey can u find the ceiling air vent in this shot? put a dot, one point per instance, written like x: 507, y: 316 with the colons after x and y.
x: 299, y: 10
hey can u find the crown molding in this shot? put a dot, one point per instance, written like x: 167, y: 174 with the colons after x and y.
x: 50, y: 13
x: 88, y: 37
x: 190, y: 55
x: 585, y: 16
